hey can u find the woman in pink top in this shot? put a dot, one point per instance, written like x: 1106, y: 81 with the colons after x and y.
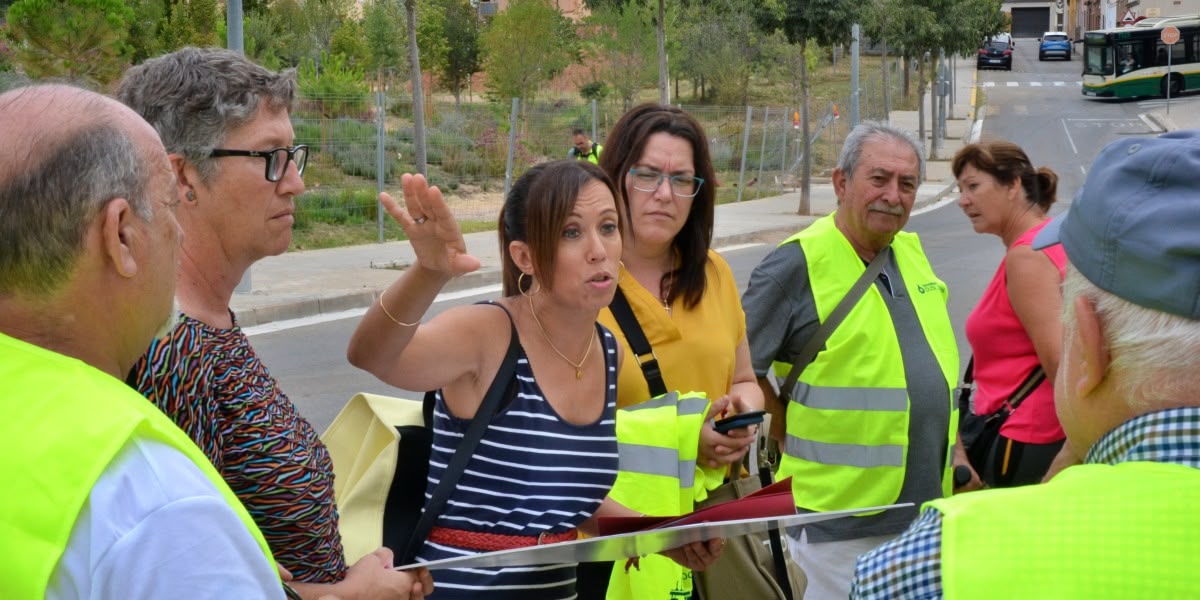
x: 1015, y: 327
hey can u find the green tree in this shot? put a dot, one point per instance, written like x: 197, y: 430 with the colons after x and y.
x: 339, y: 89
x: 383, y: 26
x: 263, y: 37
x: 457, y: 57
x: 723, y: 42
x: 145, y: 30
x: 191, y: 23
x: 526, y: 46
x: 620, y: 46
x: 349, y: 41
x: 825, y: 22
x: 83, y: 40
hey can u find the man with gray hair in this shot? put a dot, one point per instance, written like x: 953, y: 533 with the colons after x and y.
x: 1124, y: 523
x: 870, y: 419
x: 105, y: 497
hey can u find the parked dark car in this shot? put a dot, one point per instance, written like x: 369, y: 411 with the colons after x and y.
x: 995, y: 54
x: 1053, y: 43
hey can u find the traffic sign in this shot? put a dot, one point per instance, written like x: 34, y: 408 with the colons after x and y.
x: 1170, y: 34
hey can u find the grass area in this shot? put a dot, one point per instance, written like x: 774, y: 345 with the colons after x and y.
x: 319, y: 235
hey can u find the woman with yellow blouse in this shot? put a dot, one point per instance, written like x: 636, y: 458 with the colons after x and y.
x: 682, y: 293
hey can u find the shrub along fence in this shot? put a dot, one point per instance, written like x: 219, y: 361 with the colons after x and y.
x: 362, y: 145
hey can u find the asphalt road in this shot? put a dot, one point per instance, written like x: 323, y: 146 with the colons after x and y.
x: 1037, y: 104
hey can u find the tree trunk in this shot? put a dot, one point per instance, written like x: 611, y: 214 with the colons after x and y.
x: 414, y: 64
x: 883, y: 56
x: 907, y: 59
x: 664, y: 90
x: 805, y: 164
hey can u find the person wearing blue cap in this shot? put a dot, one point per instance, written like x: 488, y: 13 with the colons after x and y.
x: 1122, y: 524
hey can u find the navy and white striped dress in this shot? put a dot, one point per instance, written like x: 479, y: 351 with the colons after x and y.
x: 533, y: 472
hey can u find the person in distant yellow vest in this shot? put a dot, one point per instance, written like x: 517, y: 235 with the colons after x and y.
x: 105, y: 498
x: 871, y: 420
x: 1124, y: 524
x: 583, y: 148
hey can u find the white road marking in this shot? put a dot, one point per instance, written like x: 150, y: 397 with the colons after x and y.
x: 1064, y: 126
x: 354, y: 313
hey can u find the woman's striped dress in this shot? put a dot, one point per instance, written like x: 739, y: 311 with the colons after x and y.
x: 532, y: 473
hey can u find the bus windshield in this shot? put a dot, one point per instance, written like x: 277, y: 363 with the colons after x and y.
x: 1097, y: 60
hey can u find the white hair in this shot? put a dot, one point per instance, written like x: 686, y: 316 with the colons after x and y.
x: 1155, y: 356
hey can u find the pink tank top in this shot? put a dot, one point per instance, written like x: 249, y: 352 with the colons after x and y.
x: 1004, y: 357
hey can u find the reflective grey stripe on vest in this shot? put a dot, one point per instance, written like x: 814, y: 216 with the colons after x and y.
x: 693, y: 406
x: 853, y: 455
x: 667, y: 399
x: 850, y: 398
x: 654, y: 460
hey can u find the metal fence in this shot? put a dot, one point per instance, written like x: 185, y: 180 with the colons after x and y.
x: 363, y: 144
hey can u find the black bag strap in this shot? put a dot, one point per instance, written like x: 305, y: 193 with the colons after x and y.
x: 817, y: 341
x: 466, y: 448
x: 642, y: 351
x: 1031, y: 382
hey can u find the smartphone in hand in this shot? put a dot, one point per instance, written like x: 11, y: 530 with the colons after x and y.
x: 752, y: 417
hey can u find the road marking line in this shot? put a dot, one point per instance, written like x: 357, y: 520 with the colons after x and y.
x: 1013, y: 84
x: 989, y: 84
x: 354, y: 313
x: 1035, y: 83
x: 1064, y: 125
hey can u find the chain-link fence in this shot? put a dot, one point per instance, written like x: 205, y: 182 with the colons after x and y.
x: 363, y: 144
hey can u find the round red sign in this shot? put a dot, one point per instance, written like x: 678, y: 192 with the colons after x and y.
x: 1170, y: 34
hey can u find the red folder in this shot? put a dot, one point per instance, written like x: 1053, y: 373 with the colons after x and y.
x: 774, y: 500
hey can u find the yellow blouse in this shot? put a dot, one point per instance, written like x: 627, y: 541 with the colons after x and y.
x: 696, y: 348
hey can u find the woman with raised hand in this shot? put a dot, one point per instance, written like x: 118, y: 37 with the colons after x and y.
x: 1015, y: 328
x: 549, y: 455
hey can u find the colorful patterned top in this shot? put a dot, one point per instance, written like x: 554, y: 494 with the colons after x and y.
x: 210, y: 382
x: 532, y: 473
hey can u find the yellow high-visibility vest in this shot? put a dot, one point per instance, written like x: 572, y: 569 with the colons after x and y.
x: 1094, y: 532
x: 658, y: 442
x: 847, y: 422
x: 64, y: 422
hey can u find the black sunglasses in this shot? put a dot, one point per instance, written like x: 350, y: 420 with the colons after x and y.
x: 277, y: 159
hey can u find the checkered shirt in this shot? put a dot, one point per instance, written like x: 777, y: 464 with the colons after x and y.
x: 910, y: 566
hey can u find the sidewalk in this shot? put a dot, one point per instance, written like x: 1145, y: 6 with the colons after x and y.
x: 316, y: 282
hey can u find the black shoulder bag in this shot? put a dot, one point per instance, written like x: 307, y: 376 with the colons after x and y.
x: 406, y: 525
x: 980, y: 432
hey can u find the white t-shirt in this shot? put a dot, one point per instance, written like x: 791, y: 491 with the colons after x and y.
x: 155, y: 527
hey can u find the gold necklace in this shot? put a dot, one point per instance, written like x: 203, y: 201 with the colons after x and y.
x: 578, y: 366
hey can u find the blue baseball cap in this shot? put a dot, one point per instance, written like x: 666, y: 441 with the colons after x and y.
x: 1134, y: 228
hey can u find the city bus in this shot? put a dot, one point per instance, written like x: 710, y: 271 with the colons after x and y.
x: 1129, y: 62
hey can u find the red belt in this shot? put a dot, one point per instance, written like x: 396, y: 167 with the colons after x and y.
x: 491, y: 542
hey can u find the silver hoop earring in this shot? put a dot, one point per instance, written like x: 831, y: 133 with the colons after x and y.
x: 521, y: 288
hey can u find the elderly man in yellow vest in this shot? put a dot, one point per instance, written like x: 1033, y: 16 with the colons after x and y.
x: 870, y: 420
x: 1123, y: 524
x: 104, y: 497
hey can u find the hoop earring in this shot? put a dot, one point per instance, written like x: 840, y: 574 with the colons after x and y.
x: 521, y: 288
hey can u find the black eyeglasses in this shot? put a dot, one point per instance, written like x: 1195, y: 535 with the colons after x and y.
x: 648, y: 180
x: 277, y: 159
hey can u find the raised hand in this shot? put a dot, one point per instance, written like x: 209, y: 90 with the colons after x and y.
x: 430, y: 227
